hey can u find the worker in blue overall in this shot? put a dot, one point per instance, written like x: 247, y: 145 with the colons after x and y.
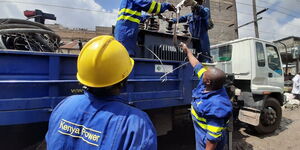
x: 98, y: 119
x: 130, y: 15
x: 199, y: 23
x: 211, y: 107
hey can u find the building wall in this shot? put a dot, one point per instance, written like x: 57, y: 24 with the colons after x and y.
x: 291, y: 43
x: 103, y: 30
x: 224, y: 16
x: 74, y: 35
x: 67, y: 34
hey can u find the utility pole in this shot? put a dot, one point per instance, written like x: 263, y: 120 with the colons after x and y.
x: 255, y: 19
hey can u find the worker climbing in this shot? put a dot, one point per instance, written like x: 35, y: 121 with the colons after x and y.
x: 126, y: 30
x: 211, y: 107
x: 98, y: 119
x: 199, y: 22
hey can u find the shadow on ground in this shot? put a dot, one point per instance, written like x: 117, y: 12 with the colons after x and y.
x: 179, y: 139
x: 283, y: 126
x: 242, y: 131
x: 239, y: 139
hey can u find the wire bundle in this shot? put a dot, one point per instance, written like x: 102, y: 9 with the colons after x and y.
x: 26, y: 35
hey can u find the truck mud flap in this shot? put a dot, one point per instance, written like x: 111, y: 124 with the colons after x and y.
x: 250, y: 116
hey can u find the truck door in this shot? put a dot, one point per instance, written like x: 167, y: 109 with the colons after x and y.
x: 275, y: 74
x: 261, y: 76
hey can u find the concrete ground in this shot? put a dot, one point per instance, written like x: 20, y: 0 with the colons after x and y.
x: 285, y: 138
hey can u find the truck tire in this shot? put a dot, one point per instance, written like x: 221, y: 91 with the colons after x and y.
x: 270, y: 117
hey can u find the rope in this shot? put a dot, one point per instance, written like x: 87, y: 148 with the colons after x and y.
x: 175, y: 69
x: 166, y: 78
x: 175, y: 41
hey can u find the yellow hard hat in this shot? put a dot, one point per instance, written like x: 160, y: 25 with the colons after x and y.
x: 102, y: 62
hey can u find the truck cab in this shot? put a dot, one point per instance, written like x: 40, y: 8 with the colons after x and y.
x: 258, y: 80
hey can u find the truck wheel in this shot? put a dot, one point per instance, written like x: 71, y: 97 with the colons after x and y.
x: 270, y: 117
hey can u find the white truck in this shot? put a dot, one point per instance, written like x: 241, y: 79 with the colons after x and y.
x: 256, y: 69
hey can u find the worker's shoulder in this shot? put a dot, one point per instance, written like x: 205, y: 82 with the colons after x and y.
x: 220, y: 100
x: 220, y: 103
x: 130, y: 109
x: 73, y: 99
x: 131, y: 114
x: 220, y: 95
x: 110, y: 104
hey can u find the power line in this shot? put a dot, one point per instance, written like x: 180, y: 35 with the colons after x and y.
x: 275, y: 10
x: 58, y: 6
x: 266, y: 32
x: 278, y: 11
x: 101, y: 11
x: 264, y: 17
x: 271, y: 19
x: 274, y: 20
x: 278, y: 6
x: 249, y: 4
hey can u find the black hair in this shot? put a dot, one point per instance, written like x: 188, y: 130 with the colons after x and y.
x: 107, y: 91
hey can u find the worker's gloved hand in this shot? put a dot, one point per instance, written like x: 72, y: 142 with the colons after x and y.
x: 144, y: 18
x: 184, y: 47
x: 210, y: 24
x: 172, y: 8
x: 160, y: 16
x: 189, y: 3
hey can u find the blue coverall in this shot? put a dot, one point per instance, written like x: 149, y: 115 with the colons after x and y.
x: 198, y: 22
x: 85, y: 122
x: 210, y: 113
x: 127, y: 26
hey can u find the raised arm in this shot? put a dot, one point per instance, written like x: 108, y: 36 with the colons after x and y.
x: 181, y: 19
x: 193, y: 60
x: 154, y: 7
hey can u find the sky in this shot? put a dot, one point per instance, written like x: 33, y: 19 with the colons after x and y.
x: 70, y: 13
x: 281, y: 20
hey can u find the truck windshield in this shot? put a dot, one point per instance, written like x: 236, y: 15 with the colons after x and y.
x: 222, y: 53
